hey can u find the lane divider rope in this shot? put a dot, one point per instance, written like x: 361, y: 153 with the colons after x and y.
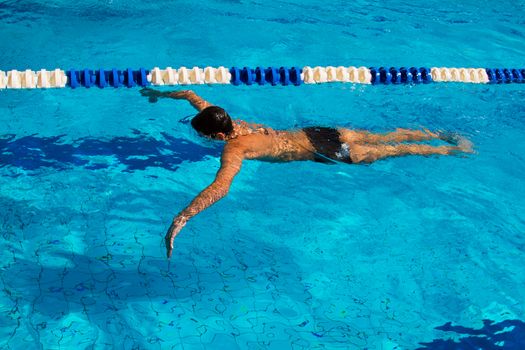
x: 57, y: 78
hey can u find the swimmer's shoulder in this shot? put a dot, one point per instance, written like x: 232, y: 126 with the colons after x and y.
x: 251, y: 146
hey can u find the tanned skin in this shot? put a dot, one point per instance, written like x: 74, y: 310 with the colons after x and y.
x: 254, y: 141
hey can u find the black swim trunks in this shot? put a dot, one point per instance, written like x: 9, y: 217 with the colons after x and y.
x: 328, y: 145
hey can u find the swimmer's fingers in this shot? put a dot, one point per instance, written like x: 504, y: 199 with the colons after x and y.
x: 168, y: 240
x: 151, y: 94
x: 173, y: 231
x: 148, y: 92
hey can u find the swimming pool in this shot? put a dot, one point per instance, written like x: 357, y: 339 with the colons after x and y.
x: 299, y: 255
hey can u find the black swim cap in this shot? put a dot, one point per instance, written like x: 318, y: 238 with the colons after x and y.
x: 211, y: 121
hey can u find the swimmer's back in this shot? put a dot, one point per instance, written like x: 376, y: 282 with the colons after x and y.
x: 274, y: 145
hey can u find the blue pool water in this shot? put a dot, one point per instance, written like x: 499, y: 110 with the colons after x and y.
x: 406, y: 253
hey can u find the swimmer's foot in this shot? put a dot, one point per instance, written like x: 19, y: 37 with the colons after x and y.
x: 449, y: 137
x: 463, y: 145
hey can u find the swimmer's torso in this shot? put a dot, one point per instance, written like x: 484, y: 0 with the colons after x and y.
x: 273, y: 145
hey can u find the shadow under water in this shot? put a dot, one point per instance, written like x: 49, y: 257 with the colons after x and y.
x: 505, y: 335
x: 134, y: 152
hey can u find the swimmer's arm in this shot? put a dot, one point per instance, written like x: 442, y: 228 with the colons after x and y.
x: 231, y: 161
x: 196, y: 101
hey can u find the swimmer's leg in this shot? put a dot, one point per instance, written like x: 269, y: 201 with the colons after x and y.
x: 370, y: 153
x: 400, y: 135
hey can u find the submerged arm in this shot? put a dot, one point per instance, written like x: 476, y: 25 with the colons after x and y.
x: 231, y: 161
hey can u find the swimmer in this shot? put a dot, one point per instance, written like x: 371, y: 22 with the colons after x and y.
x: 320, y: 144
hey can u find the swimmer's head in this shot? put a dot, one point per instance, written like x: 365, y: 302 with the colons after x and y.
x: 213, y: 122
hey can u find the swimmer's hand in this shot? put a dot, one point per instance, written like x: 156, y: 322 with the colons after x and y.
x: 152, y: 94
x: 173, y: 231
